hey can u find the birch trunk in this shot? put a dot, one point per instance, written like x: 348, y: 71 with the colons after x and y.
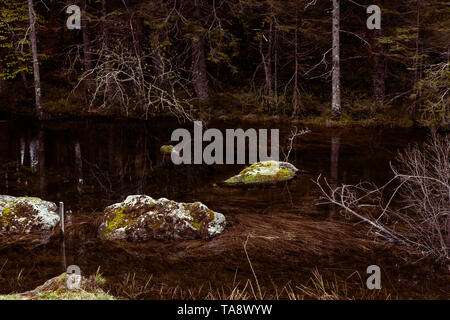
x: 336, y: 85
x: 37, y: 77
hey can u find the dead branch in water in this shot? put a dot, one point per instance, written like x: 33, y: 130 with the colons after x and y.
x: 420, y: 190
x: 294, y: 134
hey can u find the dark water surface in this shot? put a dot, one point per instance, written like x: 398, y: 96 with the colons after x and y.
x: 91, y: 164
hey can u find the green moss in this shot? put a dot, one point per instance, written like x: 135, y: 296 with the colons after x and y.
x: 73, y: 295
x: 283, y: 174
x: 211, y: 214
x: 166, y: 149
x: 58, y: 291
x: 30, y: 198
x: 118, y: 221
x: 7, y: 215
x: 13, y: 296
x: 100, y: 280
x: 199, y: 216
x: 256, y: 166
x: 196, y: 225
x: 253, y: 175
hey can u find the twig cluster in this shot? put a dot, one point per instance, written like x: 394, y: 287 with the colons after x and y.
x: 413, y: 208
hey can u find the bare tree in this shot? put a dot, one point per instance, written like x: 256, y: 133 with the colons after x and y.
x: 122, y: 80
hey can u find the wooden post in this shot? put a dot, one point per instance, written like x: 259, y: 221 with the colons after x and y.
x: 61, y: 213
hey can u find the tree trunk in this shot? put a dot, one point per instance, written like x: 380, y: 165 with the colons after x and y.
x: 3, y: 84
x: 37, y: 78
x: 269, y: 63
x: 158, y: 61
x: 267, y: 73
x: 86, y: 41
x: 104, y: 27
x: 336, y: 85
x: 416, y: 86
x: 86, y: 50
x: 378, y: 71
x: 107, y: 101
x: 295, y: 102
x: 23, y: 75
x: 199, y: 63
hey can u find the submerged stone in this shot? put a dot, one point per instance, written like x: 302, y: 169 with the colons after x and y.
x: 140, y: 218
x: 264, y: 172
x: 23, y: 215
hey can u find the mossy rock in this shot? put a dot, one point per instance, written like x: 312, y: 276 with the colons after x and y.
x: 57, y: 289
x: 24, y: 215
x: 264, y: 172
x: 167, y: 149
x: 140, y: 218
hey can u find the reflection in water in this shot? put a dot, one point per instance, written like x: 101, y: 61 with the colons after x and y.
x: 78, y: 167
x: 41, y: 159
x: 89, y: 165
x: 334, y: 165
x: 63, y: 254
x: 22, y: 151
x: 335, y: 143
x: 33, y: 148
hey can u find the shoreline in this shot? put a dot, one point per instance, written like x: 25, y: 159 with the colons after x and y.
x: 317, y: 122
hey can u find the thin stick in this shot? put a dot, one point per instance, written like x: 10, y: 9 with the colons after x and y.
x: 253, y: 271
x: 61, y: 212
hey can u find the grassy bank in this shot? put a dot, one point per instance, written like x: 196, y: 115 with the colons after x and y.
x: 62, y: 103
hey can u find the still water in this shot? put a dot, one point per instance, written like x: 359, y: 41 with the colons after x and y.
x: 91, y: 164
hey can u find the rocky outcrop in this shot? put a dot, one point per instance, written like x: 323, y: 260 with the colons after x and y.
x: 23, y: 215
x: 141, y: 218
x: 264, y: 172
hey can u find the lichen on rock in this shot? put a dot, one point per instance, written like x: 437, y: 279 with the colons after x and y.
x: 140, y: 218
x: 264, y: 172
x: 24, y: 215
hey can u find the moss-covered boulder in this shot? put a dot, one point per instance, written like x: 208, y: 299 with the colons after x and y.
x: 57, y: 289
x: 167, y: 149
x: 141, y: 218
x: 264, y: 172
x: 23, y: 215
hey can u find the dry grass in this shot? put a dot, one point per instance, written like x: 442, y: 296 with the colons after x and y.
x: 316, y: 288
